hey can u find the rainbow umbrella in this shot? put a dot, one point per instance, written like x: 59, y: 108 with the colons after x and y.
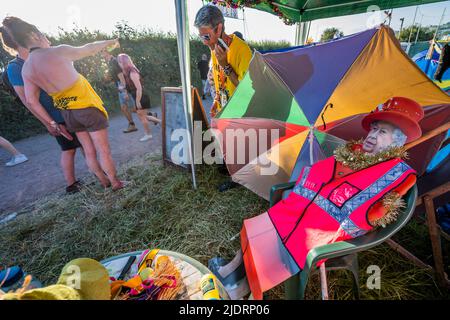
x: 291, y: 99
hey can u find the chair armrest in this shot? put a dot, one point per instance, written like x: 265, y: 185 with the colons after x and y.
x: 328, y: 251
x: 276, y: 192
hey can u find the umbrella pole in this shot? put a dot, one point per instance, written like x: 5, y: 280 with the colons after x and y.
x: 429, y: 135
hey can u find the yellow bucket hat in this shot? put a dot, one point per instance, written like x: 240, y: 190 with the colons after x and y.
x: 80, y: 279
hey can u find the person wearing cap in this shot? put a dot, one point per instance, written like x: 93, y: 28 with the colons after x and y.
x: 338, y: 198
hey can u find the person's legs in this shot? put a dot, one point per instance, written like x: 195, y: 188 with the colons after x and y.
x: 205, y: 88
x: 126, y: 102
x: 17, y: 158
x: 142, y: 114
x: 153, y: 119
x: 101, y: 143
x: 90, y: 155
x: 126, y: 112
x: 68, y: 166
x: 8, y: 146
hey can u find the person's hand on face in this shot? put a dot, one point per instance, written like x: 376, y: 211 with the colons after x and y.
x: 379, y: 137
x: 208, y: 36
x: 221, y: 55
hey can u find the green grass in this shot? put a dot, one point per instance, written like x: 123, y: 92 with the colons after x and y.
x: 161, y: 209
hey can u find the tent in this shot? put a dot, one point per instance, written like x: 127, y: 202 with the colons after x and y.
x: 307, y: 10
x: 428, y: 61
x: 304, y: 92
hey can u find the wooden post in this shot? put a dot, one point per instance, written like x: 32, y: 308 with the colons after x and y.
x: 408, y: 255
x: 435, y: 241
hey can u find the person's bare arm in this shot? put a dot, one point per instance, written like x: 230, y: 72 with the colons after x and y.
x: 122, y: 80
x: 31, y: 93
x: 134, y: 76
x: 52, y: 130
x: 21, y: 93
x: 90, y: 49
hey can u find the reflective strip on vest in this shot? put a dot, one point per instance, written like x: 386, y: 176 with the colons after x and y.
x: 342, y: 215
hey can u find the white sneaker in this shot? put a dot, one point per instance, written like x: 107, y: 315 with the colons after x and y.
x: 20, y: 158
x: 146, y: 137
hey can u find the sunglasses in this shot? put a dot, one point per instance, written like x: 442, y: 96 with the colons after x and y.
x: 205, y: 37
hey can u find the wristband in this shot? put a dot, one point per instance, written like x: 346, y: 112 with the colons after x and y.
x: 228, y: 69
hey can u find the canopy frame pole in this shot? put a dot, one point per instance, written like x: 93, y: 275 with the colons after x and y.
x: 302, y: 32
x: 185, y: 68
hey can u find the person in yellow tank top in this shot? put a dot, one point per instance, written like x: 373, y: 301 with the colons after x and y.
x: 229, y: 54
x: 78, y: 96
x: 51, y: 69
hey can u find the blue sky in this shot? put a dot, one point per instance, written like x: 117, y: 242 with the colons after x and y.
x: 159, y: 15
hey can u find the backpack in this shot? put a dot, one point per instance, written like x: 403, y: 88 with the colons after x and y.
x: 6, y: 85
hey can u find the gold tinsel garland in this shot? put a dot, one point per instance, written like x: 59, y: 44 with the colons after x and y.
x: 358, y: 159
x: 393, y: 202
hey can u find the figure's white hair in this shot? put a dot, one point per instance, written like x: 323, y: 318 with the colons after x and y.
x: 398, y: 137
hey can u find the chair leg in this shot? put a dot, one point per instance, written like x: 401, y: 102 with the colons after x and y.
x: 304, y: 275
x: 354, y: 268
x: 291, y: 287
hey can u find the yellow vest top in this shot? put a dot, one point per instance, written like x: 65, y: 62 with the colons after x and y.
x: 238, y: 57
x: 80, y: 95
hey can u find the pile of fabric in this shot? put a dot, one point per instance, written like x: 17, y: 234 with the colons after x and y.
x: 162, y: 282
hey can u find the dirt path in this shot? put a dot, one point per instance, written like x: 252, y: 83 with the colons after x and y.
x: 41, y: 175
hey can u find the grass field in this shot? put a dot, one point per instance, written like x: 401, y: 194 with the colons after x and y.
x: 160, y: 209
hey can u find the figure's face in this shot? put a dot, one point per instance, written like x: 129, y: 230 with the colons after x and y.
x: 209, y: 36
x: 379, y: 137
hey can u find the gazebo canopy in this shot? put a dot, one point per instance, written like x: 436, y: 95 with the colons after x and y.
x: 292, y: 11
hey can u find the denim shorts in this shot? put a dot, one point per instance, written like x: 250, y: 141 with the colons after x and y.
x: 130, y: 103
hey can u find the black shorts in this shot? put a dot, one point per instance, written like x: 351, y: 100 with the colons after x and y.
x: 66, y: 144
x: 145, y: 100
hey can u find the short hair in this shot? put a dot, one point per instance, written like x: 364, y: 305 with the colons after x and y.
x: 9, y: 44
x: 20, y: 30
x: 209, y: 16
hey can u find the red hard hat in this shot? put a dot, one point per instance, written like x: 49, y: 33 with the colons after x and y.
x: 402, y: 112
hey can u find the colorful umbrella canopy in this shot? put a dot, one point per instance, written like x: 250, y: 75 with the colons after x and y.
x: 286, y: 98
